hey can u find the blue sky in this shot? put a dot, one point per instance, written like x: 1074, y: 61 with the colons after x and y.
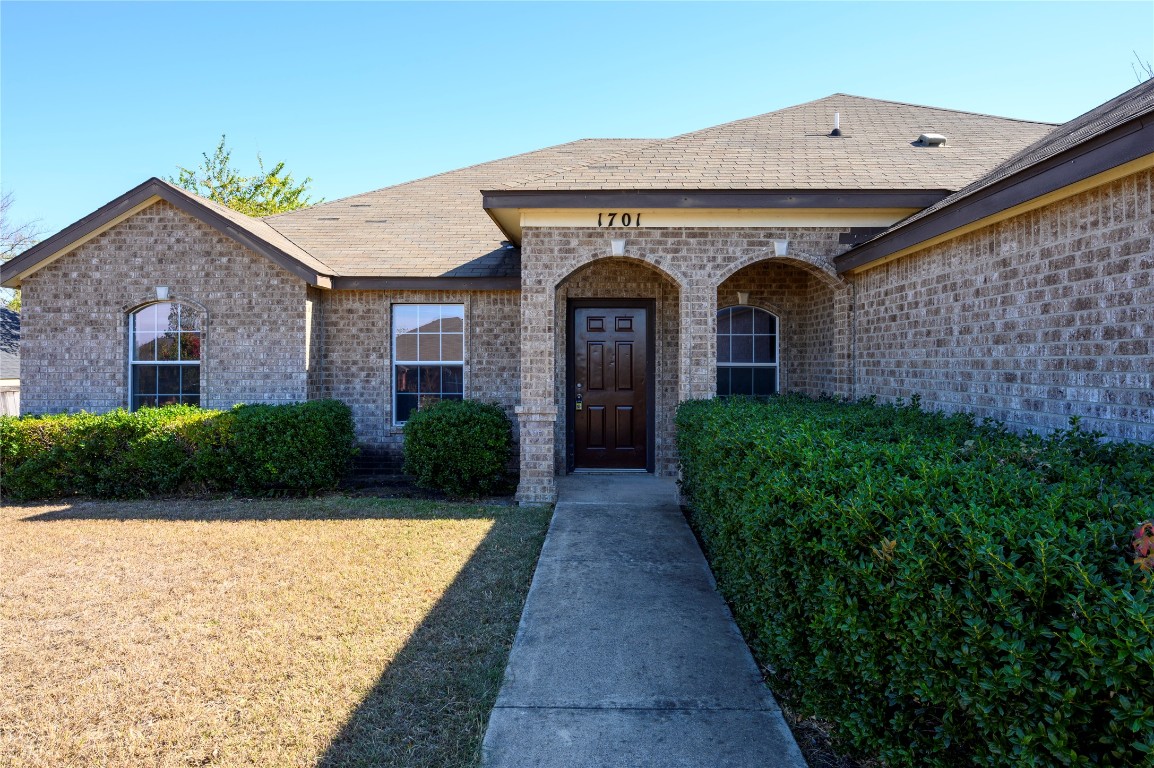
x: 97, y: 97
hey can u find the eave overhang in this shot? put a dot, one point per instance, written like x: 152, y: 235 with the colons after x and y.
x: 504, y: 206
x: 1122, y: 150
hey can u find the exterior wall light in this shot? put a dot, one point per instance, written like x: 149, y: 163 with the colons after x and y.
x: 780, y: 247
x: 162, y: 293
x: 617, y: 246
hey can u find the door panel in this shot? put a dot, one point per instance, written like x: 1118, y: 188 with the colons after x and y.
x: 608, y: 406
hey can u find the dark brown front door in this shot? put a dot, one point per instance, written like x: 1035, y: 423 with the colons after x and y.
x: 608, y: 403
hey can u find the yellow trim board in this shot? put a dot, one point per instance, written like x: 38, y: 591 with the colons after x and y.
x: 1105, y: 177
x: 625, y: 219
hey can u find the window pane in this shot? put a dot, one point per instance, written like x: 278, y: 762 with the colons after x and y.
x: 190, y: 400
x: 168, y: 379
x: 190, y: 319
x: 451, y: 397
x: 167, y: 317
x: 429, y: 347
x: 145, y: 319
x: 765, y: 349
x: 763, y: 322
x: 742, y: 319
x: 452, y: 379
x: 406, y: 404
x: 430, y: 318
x: 454, y: 323
x: 143, y: 401
x: 406, y: 378
x: 723, y: 349
x: 723, y: 321
x: 723, y: 382
x: 430, y: 379
x: 190, y: 346
x: 452, y: 346
x: 405, y: 318
x: 741, y: 381
x: 190, y: 380
x: 144, y: 380
x: 742, y: 349
x: 144, y: 345
x: 765, y: 381
x: 406, y: 347
x: 167, y: 347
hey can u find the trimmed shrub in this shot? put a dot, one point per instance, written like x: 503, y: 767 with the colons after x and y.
x: 461, y: 447
x: 947, y: 594
x: 304, y: 447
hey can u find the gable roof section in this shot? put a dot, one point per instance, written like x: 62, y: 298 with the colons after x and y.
x: 791, y: 149
x: 1112, y: 135
x: 434, y: 227
x: 249, y: 232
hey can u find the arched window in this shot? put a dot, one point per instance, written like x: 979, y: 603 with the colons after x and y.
x: 165, y: 352
x: 746, y: 352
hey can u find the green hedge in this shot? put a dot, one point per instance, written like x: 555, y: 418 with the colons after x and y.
x: 946, y: 594
x: 461, y: 447
x: 256, y: 449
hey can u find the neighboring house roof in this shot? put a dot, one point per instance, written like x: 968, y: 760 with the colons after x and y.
x: 9, y: 344
x: 791, y: 149
x: 1106, y: 137
x: 432, y: 227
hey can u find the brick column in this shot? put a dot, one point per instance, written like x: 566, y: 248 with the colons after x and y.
x: 698, y: 378
x: 537, y: 413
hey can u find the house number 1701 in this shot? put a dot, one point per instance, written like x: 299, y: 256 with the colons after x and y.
x: 619, y: 219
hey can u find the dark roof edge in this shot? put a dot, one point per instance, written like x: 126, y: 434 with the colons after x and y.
x: 151, y: 188
x: 426, y: 283
x: 1122, y: 144
x: 697, y: 198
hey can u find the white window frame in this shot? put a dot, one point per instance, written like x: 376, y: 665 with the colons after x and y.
x: 396, y: 361
x: 134, y: 363
x: 776, y: 366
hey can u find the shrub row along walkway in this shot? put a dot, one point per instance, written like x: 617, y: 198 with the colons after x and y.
x: 626, y: 655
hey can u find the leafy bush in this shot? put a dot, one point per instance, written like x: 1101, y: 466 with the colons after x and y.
x: 254, y: 449
x: 461, y: 447
x: 946, y: 593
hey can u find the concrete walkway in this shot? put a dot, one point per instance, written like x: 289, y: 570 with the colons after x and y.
x: 626, y: 655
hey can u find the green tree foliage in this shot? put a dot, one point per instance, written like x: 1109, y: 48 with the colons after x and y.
x: 263, y: 194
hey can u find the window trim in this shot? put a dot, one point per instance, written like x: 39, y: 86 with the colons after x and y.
x: 130, y: 335
x: 776, y: 366
x: 395, y: 361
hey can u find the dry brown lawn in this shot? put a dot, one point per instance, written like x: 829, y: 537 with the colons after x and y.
x: 317, y: 632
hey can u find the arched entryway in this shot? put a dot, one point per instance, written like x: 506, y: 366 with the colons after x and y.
x: 808, y: 349
x: 617, y: 367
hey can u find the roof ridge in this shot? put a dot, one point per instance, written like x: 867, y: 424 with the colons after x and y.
x: 434, y: 176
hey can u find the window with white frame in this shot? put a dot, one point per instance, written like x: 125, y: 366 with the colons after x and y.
x: 428, y: 356
x: 165, y: 353
x: 746, y: 352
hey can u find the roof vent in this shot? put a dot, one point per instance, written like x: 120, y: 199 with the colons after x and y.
x: 836, y: 124
x: 931, y: 140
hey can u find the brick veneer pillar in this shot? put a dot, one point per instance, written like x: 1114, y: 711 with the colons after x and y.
x: 698, y: 339
x: 537, y: 413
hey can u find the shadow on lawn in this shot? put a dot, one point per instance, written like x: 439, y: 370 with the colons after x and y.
x: 430, y: 706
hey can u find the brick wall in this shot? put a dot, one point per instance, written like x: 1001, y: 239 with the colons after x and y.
x: 74, y: 324
x: 1029, y: 321
x: 692, y: 260
x: 356, y: 363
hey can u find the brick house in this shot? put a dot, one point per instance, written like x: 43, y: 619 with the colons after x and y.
x: 847, y: 246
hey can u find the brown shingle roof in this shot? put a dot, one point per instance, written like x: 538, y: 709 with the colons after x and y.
x: 1037, y: 169
x: 432, y: 227
x: 791, y: 149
